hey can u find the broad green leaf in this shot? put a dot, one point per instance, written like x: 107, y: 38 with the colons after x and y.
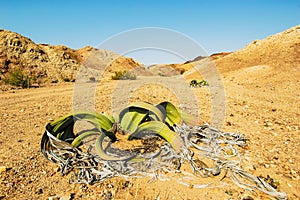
x: 111, y: 118
x: 172, y: 114
x: 145, y: 106
x: 162, y: 130
x: 188, y: 118
x: 77, y: 141
x: 63, y: 127
x: 132, y: 119
x: 63, y: 122
x: 98, y: 120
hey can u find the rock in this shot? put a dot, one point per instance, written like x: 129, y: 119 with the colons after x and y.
x: 65, y: 197
x: 55, y: 64
x: 40, y: 191
x: 3, y: 169
x: 266, y: 165
x: 247, y: 198
x: 53, y: 198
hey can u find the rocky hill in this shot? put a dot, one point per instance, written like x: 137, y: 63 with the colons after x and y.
x: 45, y: 63
x: 281, y: 51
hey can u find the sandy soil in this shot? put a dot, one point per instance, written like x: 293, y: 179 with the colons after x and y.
x: 261, y: 102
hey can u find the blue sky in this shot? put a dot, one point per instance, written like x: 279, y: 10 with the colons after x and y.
x: 216, y: 25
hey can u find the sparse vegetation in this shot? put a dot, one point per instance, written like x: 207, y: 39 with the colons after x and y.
x: 92, y: 79
x: 123, y: 75
x: 195, y: 83
x: 144, y: 120
x: 18, y: 78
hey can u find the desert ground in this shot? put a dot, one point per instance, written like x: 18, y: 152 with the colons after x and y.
x: 262, y: 102
x: 261, y: 84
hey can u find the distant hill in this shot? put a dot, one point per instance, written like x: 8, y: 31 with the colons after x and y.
x: 50, y: 64
x: 281, y: 51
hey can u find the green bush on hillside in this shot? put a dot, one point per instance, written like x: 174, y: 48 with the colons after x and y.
x: 123, y: 75
x: 195, y: 83
x: 18, y: 78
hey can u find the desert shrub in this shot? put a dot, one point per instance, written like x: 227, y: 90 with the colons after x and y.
x: 123, y: 75
x: 18, y: 78
x: 203, y: 83
x: 92, y: 79
x: 195, y: 83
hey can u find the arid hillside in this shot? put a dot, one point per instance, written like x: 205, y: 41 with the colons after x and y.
x: 44, y: 63
x: 281, y: 51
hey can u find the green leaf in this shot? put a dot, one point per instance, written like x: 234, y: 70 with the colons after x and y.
x: 63, y: 128
x: 98, y: 120
x: 79, y: 139
x: 151, y: 109
x: 188, y: 118
x: 60, y: 124
x: 172, y: 114
x: 162, y: 130
x: 132, y: 119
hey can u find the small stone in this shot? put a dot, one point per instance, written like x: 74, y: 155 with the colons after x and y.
x: 260, y: 162
x: 228, y: 123
x: 274, y: 133
x: 40, y: 191
x: 142, y: 151
x: 3, y: 169
x: 273, y: 166
x: 266, y: 165
x: 247, y: 198
x: 65, y: 197
x: 268, y: 124
x: 246, y: 107
x: 53, y: 198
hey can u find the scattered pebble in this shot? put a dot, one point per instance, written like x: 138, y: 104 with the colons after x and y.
x: 53, y: 198
x: 3, y: 169
x: 266, y: 165
x: 274, y: 133
x: 65, y: 197
x: 40, y: 191
x: 247, y: 198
